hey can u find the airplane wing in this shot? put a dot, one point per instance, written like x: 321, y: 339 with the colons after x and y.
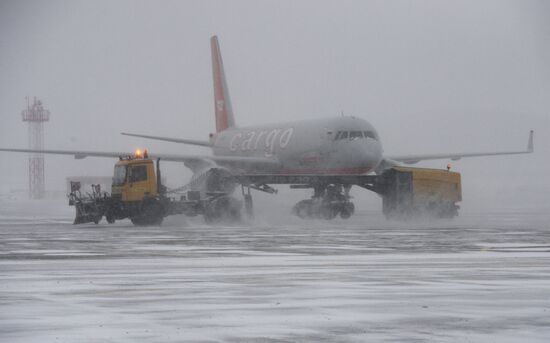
x: 412, y: 159
x: 168, y: 139
x: 190, y: 161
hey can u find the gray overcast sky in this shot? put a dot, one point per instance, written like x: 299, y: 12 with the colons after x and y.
x: 431, y: 76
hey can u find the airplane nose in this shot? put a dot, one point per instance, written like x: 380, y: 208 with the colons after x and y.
x: 366, y: 154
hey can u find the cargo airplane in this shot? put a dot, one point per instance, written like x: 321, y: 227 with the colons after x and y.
x: 329, y: 155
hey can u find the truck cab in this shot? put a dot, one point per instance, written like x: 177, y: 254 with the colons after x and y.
x: 134, y: 179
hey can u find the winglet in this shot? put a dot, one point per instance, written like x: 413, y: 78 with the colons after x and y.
x: 222, y: 101
x: 530, y: 146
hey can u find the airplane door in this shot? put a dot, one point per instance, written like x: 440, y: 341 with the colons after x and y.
x: 327, y: 144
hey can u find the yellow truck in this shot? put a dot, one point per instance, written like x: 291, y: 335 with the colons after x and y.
x: 136, y: 193
x: 409, y: 192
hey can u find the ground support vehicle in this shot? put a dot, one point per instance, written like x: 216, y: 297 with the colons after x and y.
x: 137, y: 194
x: 416, y: 192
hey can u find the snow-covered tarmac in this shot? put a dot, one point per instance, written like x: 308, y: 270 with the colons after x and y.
x: 483, y: 277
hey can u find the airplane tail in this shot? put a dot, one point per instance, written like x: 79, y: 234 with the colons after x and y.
x: 222, y: 101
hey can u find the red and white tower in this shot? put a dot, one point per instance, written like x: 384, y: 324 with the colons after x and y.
x: 36, y: 115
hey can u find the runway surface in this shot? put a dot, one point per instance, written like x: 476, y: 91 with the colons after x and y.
x: 482, y: 277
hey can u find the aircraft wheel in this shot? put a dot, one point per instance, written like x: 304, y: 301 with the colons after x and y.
x: 302, y: 209
x: 328, y: 212
x: 347, y: 210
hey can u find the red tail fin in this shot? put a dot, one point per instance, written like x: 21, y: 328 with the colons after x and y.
x: 222, y: 101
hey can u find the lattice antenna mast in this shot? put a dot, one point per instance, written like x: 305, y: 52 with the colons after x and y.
x: 36, y: 115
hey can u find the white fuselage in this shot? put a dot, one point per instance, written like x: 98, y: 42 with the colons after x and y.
x: 339, y: 145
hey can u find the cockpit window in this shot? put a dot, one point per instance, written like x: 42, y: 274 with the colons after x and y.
x: 370, y: 134
x: 355, y: 135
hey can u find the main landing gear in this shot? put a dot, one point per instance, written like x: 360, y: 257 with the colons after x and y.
x: 328, y: 201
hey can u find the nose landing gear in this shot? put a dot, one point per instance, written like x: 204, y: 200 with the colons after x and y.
x: 248, y: 205
x: 327, y: 203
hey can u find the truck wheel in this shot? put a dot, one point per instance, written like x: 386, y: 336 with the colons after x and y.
x: 449, y: 211
x: 110, y: 219
x: 151, y: 214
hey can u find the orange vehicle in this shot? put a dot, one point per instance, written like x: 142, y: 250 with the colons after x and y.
x: 136, y: 193
x: 421, y: 191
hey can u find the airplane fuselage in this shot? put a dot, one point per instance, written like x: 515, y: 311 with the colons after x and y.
x: 339, y: 145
